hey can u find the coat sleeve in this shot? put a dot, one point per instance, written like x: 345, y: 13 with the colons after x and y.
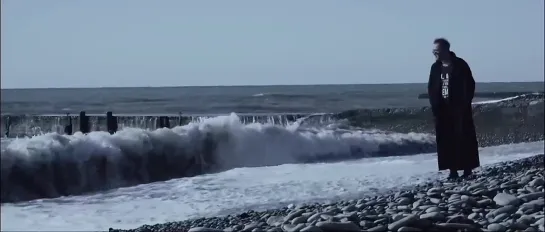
x: 432, y: 93
x: 469, y: 83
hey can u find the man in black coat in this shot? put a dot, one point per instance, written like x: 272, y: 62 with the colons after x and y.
x: 451, y: 88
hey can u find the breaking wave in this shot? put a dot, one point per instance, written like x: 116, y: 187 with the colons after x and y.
x: 53, y: 165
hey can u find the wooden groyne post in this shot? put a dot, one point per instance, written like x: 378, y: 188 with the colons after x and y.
x: 68, y: 129
x: 84, y: 125
x: 7, y: 125
x: 111, y: 122
x: 162, y: 122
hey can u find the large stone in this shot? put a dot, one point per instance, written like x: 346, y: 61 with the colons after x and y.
x: 537, y: 182
x: 404, y: 201
x: 311, y: 229
x: 458, y: 226
x: 496, y: 227
x: 505, y: 209
x: 338, y: 226
x: 203, y: 229
x: 475, y: 186
x: 314, y: 217
x: 250, y: 226
x: 434, y: 216
x: 484, y: 202
x: 402, y: 222
x: 292, y: 228
x: 504, y: 199
x: 408, y: 229
x: 275, y: 220
x: 294, y: 214
x: 531, y: 196
x: 535, y: 204
x: 433, y: 209
x: 275, y: 229
x: 299, y: 220
x: 379, y: 228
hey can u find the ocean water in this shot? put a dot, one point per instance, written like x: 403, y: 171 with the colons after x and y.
x: 224, y: 100
x: 232, y: 149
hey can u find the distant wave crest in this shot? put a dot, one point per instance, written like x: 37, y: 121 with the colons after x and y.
x: 281, y: 95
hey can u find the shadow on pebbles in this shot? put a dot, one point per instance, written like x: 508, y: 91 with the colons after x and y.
x: 505, y: 197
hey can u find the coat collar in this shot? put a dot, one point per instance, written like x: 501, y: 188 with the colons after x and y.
x: 454, y: 58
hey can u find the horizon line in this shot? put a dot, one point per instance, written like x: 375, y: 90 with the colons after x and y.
x: 275, y: 85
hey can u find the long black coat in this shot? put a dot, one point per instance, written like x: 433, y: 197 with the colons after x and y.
x: 457, y: 146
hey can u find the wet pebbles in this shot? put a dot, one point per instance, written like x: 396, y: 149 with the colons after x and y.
x: 504, y: 197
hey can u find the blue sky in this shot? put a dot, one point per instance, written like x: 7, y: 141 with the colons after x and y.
x: 105, y: 43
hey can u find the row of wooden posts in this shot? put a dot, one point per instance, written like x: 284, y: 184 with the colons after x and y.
x: 111, y: 123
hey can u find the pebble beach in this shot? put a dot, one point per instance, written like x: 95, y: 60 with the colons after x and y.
x: 507, y: 196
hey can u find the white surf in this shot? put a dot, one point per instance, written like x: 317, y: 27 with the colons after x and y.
x: 236, y: 190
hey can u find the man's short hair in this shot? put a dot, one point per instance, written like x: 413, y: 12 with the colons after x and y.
x: 443, y: 42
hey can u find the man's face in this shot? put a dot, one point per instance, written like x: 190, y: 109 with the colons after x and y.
x: 438, y: 51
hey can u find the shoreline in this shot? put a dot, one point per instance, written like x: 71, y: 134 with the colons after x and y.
x: 506, y: 196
